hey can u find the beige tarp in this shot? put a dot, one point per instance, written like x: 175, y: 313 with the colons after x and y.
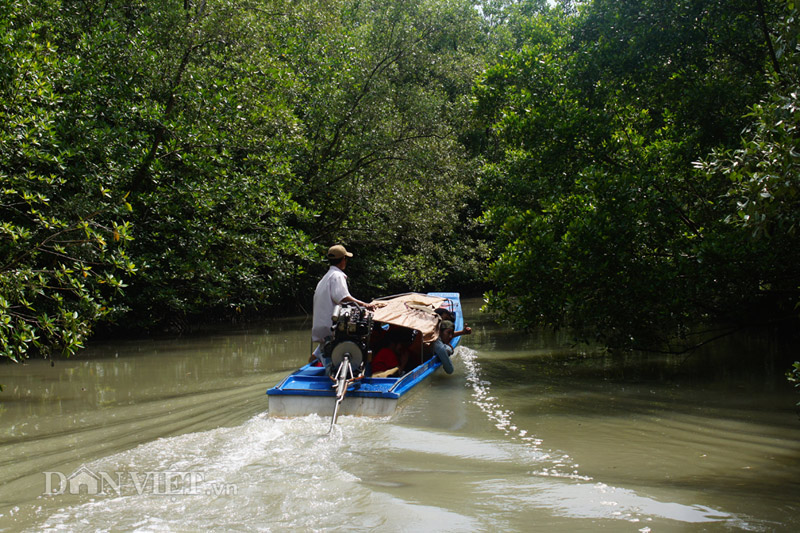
x: 413, y: 311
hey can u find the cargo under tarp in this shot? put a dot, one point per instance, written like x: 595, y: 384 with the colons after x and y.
x: 413, y: 311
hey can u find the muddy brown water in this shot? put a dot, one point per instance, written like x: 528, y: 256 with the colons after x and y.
x: 529, y: 434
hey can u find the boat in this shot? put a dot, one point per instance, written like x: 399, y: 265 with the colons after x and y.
x: 310, y: 390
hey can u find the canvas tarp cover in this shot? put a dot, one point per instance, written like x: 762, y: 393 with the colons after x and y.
x: 413, y: 311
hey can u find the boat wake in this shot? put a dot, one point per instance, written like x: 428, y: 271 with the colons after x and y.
x: 560, y: 464
x: 290, y: 475
x: 575, y: 497
x: 270, y: 474
x: 267, y: 474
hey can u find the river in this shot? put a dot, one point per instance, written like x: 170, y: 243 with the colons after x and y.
x: 529, y: 434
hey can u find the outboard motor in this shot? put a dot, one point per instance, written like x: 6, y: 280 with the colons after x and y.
x: 351, y: 327
x: 348, y: 348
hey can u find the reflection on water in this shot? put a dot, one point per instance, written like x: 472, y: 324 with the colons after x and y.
x: 529, y: 433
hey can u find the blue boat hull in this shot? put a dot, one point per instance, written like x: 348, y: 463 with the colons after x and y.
x: 309, y: 391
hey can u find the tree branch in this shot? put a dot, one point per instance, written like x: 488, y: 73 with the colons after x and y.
x: 767, y: 39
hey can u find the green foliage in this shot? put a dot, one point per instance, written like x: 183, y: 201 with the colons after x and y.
x: 793, y: 375
x: 63, y: 231
x: 763, y: 180
x: 764, y: 172
x: 220, y: 146
x: 213, y: 190
x: 600, y: 221
x: 382, y: 104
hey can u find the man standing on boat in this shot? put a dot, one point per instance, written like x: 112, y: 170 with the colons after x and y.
x: 331, y: 291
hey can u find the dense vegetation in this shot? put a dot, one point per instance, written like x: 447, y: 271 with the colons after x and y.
x: 627, y: 169
x: 625, y: 199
